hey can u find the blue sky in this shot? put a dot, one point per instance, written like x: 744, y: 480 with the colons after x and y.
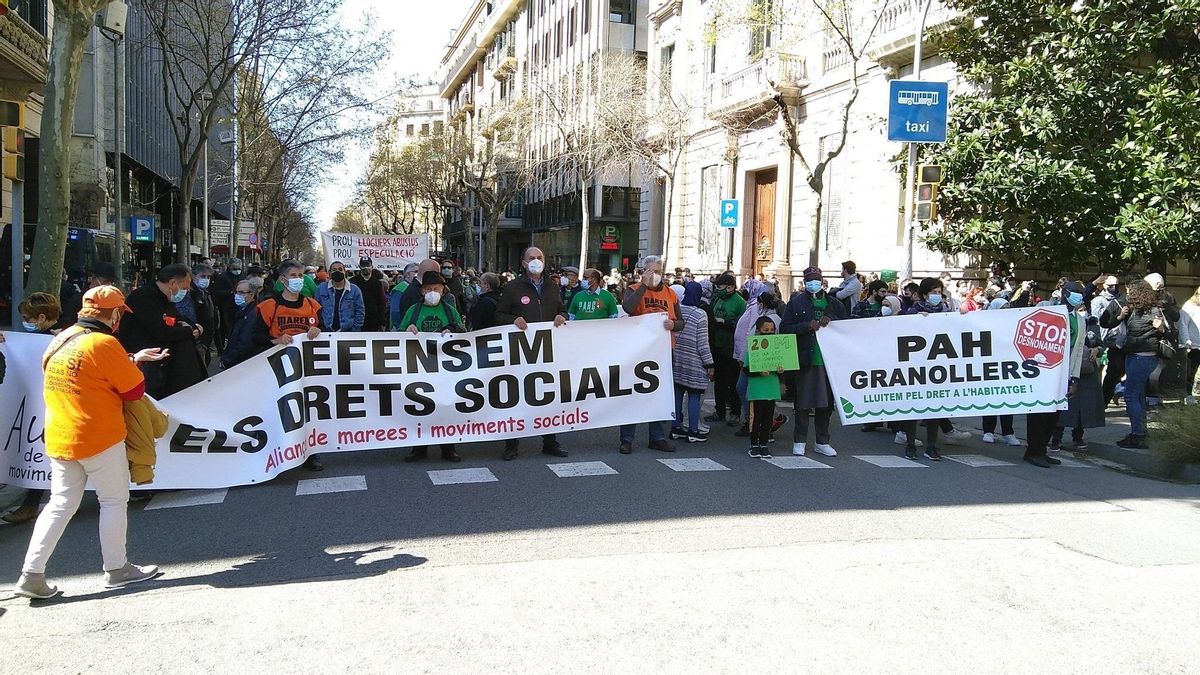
x: 420, y: 31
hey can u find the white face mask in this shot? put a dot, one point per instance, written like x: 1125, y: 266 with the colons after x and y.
x: 536, y: 266
x: 654, y: 279
x: 295, y: 285
x: 432, y: 298
x: 885, y: 311
x: 564, y: 282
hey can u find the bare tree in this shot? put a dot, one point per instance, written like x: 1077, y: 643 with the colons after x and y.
x: 73, y: 22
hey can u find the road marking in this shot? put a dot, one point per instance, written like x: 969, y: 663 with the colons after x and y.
x: 573, y: 469
x: 456, y: 476
x: 890, y: 461
x: 172, y: 500
x: 317, y: 486
x: 977, y: 461
x: 693, y: 464
x: 795, y: 462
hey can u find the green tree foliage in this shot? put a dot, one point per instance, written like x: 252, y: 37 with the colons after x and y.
x: 1082, y: 146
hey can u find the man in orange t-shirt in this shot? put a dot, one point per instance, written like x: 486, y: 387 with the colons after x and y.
x: 652, y: 296
x: 88, y: 377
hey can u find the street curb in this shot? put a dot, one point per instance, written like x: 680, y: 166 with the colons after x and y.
x: 1145, y: 462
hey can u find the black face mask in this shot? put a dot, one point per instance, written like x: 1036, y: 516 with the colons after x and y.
x: 338, y: 276
x: 1112, y: 290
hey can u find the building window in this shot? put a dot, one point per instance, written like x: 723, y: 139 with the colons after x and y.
x: 571, y: 26
x: 587, y: 16
x: 760, y: 27
x: 408, y: 130
x: 666, y: 63
x: 424, y: 129
x: 558, y: 38
x: 620, y: 11
x: 437, y: 128
x: 709, y: 235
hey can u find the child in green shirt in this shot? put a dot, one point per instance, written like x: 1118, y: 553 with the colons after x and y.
x: 762, y: 391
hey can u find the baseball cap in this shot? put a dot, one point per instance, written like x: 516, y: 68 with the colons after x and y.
x: 365, y: 262
x: 104, y: 297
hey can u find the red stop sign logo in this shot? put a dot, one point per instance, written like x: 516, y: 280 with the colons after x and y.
x: 1042, y: 337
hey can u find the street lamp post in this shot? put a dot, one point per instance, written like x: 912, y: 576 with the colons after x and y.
x: 115, y: 30
x: 206, y: 98
x: 910, y: 226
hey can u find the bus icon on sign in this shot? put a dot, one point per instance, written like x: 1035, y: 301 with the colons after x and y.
x: 917, y: 97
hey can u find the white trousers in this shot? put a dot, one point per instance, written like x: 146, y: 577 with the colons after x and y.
x: 109, y: 473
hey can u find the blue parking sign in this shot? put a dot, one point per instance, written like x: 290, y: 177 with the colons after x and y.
x: 917, y: 111
x: 730, y: 212
x: 141, y: 228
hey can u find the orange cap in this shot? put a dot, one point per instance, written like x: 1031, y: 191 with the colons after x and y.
x: 104, y: 297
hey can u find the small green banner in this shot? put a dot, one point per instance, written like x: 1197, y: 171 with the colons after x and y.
x: 766, y: 353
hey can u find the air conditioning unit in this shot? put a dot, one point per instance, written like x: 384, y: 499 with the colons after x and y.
x: 112, y: 17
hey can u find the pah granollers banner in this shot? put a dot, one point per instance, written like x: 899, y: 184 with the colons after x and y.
x: 369, y: 391
x: 387, y: 251
x: 915, y: 367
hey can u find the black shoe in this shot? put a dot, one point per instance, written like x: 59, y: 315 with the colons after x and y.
x: 715, y: 417
x: 554, y: 450
x: 626, y: 448
x: 932, y: 453
x: 416, y: 455
x: 1038, y: 460
x: 910, y: 453
x: 509, y: 454
x: 314, y: 464
x: 694, y: 437
x: 755, y: 452
x: 451, y: 456
x: 677, y: 433
x: 1132, y: 442
x: 1053, y: 460
x: 1055, y: 444
x: 744, y: 432
x: 662, y: 446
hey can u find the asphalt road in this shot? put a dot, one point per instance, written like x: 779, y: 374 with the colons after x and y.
x: 851, y: 568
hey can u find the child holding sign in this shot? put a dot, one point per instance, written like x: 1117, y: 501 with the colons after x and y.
x: 762, y: 391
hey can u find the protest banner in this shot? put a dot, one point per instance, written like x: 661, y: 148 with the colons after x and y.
x: 917, y: 367
x: 364, y: 391
x: 767, y: 353
x: 387, y: 251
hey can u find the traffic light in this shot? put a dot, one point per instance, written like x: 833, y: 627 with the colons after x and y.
x: 12, y: 113
x: 14, y: 153
x: 929, y: 178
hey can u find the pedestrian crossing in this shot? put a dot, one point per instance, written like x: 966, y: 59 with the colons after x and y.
x: 449, y: 477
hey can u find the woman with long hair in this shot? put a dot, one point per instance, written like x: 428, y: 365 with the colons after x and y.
x: 1144, y: 324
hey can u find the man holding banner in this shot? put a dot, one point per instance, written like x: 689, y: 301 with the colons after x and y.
x: 805, y: 314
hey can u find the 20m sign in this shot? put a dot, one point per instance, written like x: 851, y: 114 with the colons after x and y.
x: 948, y: 365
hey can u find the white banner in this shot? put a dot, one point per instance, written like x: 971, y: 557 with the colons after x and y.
x: 362, y: 391
x: 386, y: 251
x: 917, y: 367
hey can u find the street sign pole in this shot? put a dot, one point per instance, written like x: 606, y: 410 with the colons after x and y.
x: 910, y: 178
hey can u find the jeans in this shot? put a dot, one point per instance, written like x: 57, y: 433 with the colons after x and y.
x: 693, y: 408
x: 657, y: 433
x: 1138, y: 369
x: 109, y: 474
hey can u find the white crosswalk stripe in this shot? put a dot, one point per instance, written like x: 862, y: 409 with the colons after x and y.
x: 317, y: 486
x: 575, y: 469
x: 890, y: 462
x: 976, y: 461
x: 693, y: 464
x: 459, y: 476
x: 173, y: 500
x: 794, y: 462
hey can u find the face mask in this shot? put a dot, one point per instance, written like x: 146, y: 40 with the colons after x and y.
x: 179, y: 295
x: 885, y: 311
x: 1111, y: 290
x: 446, y: 271
x: 478, y: 289
x: 813, y: 287
x: 564, y: 282
x: 935, y: 298
x: 536, y: 266
x: 432, y: 298
x: 29, y: 327
x: 203, y: 283
x: 338, y: 276
x: 239, y: 300
x: 235, y: 272
x: 655, y: 279
x: 1074, y: 299
x: 295, y: 285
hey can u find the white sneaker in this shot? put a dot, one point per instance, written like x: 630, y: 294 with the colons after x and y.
x: 129, y: 574
x: 1012, y: 440
x: 957, y: 437
x: 902, y: 439
x: 797, y: 448
x: 989, y: 438
x: 825, y: 449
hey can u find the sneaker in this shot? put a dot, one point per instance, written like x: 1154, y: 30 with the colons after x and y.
x: 825, y: 449
x: 314, y: 463
x: 129, y: 574
x: 1012, y: 440
x: 715, y: 417
x: 779, y: 421
x: 754, y: 452
x: 744, y: 432
x: 677, y: 433
x: 1132, y: 442
x: 626, y: 448
x: 797, y: 448
x: 989, y: 438
x: 694, y: 437
x: 956, y: 437
x: 933, y: 454
x: 902, y: 439
x: 1055, y: 444
x: 662, y: 446
x: 764, y: 452
x: 22, y: 514
x: 910, y: 453
x: 734, y: 420
x: 416, y: 455
x: 34, y: 587
x: 703, y: 428
x: 1079, y: 445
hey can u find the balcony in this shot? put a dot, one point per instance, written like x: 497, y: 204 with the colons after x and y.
x: 751, y: 91
x: 24, y: 54
x: 503, y: 62
x: 896, y: 35
x: 468, y: 55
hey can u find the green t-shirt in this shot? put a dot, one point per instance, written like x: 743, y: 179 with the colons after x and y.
x: 730, y: 308
x: 763, y: 387
x: 820, y: 305
x: 400, y: 287
x: 587, y: 305
x: 433, y: 319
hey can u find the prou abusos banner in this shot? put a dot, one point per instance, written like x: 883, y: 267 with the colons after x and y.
x: 916, y: 367
x: 363, y: 391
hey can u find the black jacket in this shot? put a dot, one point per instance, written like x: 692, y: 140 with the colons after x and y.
x: 797, y: 316
x: 375, y: 300
x: 206, y: 313
x: 483, y: 314
x: 241, y: 345
x: 1140, y: 333
x: 520, y: 298
x: 154, y: 321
